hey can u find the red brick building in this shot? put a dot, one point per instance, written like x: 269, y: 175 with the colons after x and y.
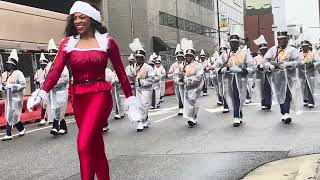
x: 258, y: 22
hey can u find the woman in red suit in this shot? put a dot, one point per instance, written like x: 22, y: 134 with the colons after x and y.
x: 86, y: 49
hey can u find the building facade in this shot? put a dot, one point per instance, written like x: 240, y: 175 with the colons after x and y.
x: 231, y: 14
x: 27, y: 26
x: 259, y: 21
x: 160, y: 25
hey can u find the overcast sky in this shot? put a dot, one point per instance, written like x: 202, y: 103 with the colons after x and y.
x: 304, y: 12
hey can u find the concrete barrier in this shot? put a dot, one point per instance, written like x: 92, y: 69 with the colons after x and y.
x: 31, y: 117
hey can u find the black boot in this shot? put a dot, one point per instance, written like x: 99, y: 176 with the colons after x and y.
x: 63, y: 127
x: 55, y: 128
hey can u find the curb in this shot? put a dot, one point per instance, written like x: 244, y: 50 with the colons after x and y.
x: 296, y: 168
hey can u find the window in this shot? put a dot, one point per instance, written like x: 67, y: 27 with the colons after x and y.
x: 205, y: 3
x: 183, y: 24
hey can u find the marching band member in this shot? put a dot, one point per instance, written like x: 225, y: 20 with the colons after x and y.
x: 143, y: 82
x: 282, y: 61
x: 155, y: 95
x: 263, y: 75
x: 119, y: 112
x: 307, y: 73
x: 206, y: 68
x: 162, y: 72
x: 176, y: 73
x: 251, y: 79
x: 131, y: 71
x: 13, y: 83
x: 221, y: 79
x: 237, y: 64
x: 193, y: 80
x: 214, y: 77
x: 58, y: 96
x: 39, y: 78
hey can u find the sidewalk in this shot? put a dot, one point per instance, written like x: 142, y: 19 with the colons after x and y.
x: 297, y: 168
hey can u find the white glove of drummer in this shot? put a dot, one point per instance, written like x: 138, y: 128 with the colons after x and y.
x: 134, y: 109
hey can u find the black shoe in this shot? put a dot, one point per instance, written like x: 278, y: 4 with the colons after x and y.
x: 236, y: 124
x: 192, y: 123
x: 55, y: 128
x: 63, y: 127
x: 287, y: 121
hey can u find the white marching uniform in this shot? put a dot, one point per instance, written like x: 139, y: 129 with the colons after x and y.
x: 39, y: 77
x: 119, y: 112
x: 175, y: 72
x: 308, y: 75
x: 58, y: 96
x: 156, y: 88
x: 131, y: 73
x: 193, y: 85
x: 144, y: 81
x: 206, y: 65
x: 213, y: 77
x: 284, y: 78
x: 235, y: 82
x: 14, y: 83
x: 162, y: 73
x: 262, y: 76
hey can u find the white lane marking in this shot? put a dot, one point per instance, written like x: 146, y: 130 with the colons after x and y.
x: 258, y: 104
x: 310, y: 111
x: 219, y: 109
x: 1, y: 134
x: 163, y: 109
x: 165, y: 118
x: 159, y: 113
x: 38, y: 129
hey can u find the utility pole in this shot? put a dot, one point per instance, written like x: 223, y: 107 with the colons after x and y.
x: 319, y: 11
x: 218, y: 15
x: 177, y: 22
x: 131, y: 20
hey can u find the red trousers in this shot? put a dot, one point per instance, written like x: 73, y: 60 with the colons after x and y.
x: 91, y: 112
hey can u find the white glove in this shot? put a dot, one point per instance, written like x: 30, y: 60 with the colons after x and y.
x: 271, y: 67
x: 32, y: 102
x: 134, y: 109
x: 35, y: 99
x: 235, y: 69
x: 8, y: 86
x: 224, y: 69
x: 261, y: 66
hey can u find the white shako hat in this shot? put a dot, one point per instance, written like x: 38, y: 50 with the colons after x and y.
x: 187, y: 46
x: 13, y: 58
x: 137, y: 48
x: 261, y: 42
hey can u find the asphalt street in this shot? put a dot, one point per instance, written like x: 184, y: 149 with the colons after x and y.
x: 169, y: 149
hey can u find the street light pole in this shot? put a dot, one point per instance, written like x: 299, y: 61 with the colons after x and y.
x: 218, y: 20
x: 177, y: 23
x: 319, y: 11
x: 131, y: 20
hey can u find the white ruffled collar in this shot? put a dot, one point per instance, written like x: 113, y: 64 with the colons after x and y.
x: 102, y: 40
